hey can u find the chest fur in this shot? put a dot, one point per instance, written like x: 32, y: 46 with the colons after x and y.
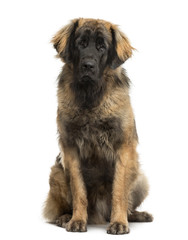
x: 94, y: 134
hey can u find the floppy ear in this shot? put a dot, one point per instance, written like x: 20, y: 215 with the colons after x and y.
x: 121, y: 48
x: 63, y: 41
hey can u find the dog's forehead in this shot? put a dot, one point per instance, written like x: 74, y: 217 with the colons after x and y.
x: 95, y: 26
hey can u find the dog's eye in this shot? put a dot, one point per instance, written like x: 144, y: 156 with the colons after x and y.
x: 83, y: 43
x: 101, y: 48
x: 100, y: 45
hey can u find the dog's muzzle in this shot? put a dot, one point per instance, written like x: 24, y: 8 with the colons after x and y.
x: 88, y: 66
x: 88, y: 69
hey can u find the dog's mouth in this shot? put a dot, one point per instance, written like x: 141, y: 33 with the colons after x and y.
x: 86, y: 79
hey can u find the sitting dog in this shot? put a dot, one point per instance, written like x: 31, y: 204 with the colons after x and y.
x: 96, y: 177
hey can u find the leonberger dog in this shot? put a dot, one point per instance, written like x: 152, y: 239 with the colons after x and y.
x: 96, y: 177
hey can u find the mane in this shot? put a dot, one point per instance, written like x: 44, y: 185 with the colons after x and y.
x: 91, y: 94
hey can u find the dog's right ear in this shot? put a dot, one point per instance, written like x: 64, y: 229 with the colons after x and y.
x: 63, y: 41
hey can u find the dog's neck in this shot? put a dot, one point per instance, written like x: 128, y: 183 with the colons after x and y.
x: 84, y: 96
x: 88, y: 95
x: 91, y: 95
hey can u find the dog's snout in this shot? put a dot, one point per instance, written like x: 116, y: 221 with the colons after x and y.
x: 88, y: 65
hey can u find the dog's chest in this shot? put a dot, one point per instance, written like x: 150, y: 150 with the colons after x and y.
x: 97, y: 140
x: 91, y: 132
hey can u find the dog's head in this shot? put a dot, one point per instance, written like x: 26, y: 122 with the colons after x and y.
x: 91, y: 45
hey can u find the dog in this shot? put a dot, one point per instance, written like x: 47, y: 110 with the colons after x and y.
x: 96, y: 177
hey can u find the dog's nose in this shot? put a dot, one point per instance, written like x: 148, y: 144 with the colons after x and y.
x: 88, y: 65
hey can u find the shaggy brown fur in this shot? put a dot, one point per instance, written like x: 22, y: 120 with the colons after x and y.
x: 96, y: 177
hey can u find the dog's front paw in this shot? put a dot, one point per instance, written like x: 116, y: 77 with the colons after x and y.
x: 76, y: 226
x: 118, y: 228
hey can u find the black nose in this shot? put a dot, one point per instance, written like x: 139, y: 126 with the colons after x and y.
x: 88, y: 65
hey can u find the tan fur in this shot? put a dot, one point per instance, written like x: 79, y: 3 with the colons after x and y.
x: 124, y: 48
x: 59, y: 197
x: 77, y: 185
x: 125, y: 174
x: 62, y: 36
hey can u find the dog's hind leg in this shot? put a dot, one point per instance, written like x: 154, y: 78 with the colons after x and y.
x: 140, y: 217
x: 57, y: 208
x: 137, y: 196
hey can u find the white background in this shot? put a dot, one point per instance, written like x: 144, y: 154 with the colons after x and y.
x: 28, y: 139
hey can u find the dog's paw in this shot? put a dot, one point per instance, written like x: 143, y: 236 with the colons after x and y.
x: 76, y: 226
x: 118, y: 228
x: 140, y: 217
x: 146, y: 217
x: 63, y: 220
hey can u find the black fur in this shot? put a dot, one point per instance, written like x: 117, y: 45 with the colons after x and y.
x: 88, y: 95
x: 88, y: 85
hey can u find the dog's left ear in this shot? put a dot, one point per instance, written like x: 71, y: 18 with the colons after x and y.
x: 121, y: 48
x: 63, y: 41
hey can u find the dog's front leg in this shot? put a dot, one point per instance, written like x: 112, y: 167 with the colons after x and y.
x: 125, y: 173
x: 79, y: 196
